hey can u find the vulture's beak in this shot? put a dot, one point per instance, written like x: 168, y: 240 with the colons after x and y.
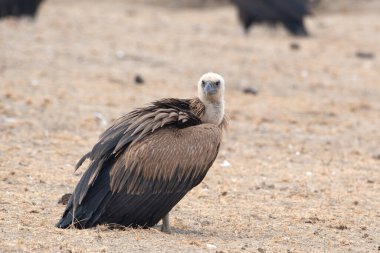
x: 210, y: 88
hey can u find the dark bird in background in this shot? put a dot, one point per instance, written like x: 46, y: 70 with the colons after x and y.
x: 18, y: 8
x: 290, y: 13
x: 148, y: 160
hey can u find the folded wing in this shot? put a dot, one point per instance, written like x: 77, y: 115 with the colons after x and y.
x: 142, y: 166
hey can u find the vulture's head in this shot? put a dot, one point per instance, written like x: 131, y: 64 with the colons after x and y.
x: 211, y: 88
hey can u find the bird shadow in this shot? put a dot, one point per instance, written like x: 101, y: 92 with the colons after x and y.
x: 183, y: 231
x: 157, y: 228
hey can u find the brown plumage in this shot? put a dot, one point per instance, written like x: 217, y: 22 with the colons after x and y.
x: 148, y: 160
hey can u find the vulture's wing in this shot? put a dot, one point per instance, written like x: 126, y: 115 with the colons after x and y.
x: 169, y: 161
x: 143, y: 165
x: 133, y: 127
x: 152, y: 177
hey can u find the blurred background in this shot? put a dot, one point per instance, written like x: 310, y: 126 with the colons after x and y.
x: 300, y: 165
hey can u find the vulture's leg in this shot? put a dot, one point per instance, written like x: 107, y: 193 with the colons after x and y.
x: 165, y: 224
x: 296, y: 27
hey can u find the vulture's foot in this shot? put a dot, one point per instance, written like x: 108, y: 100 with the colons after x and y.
x: 165, y: 224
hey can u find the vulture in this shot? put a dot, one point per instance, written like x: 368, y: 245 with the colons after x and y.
x: 18, y: 8
x: 290, y: 13
x: 148, y: 160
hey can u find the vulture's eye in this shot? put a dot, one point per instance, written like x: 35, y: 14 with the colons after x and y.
x: 217, y: 83
x: 203, y: 83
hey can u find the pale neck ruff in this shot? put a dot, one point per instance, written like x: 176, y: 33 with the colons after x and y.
x: 214, y: 112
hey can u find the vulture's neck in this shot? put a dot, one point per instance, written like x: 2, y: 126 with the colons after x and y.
x: 214, y: 112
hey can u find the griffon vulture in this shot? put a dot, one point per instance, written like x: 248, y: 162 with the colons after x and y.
x: 288, y: 12
x: 148, y: 160
x: 19, y: 8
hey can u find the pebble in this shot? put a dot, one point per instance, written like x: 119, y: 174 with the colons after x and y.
x: 294, y: 46
x: 100, y: 117
x: 139, y: 79
x: 210, y: 246
x: 365, y: 55
x: 250, y: 90
x: 120, y: 54
x: 64, y: 199
x: 225, y: 164
x: 376, y: 156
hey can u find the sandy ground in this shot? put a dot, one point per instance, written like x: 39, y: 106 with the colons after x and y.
x: 304, y: 151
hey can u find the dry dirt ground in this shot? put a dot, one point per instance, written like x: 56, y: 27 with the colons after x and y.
x: 304, y: 153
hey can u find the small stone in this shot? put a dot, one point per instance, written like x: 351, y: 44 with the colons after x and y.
x: 195, y: 243
x: 205, y: 223
x: 365, y: 55
x: 64, y: 199
x: 261, y: 250
x: 120, y: 54
x: 250, y: 90
x: 294, y: 46
x: 101, y: 119
x: 266, y: 186
x: 139, y: 79
x: 341, y: 227
x: 34, y: 82
x: 312, y: 220
x: 225, y: 164
x: 210, y: 246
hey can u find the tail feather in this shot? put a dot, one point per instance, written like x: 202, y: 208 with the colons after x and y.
x: 81, y: 216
